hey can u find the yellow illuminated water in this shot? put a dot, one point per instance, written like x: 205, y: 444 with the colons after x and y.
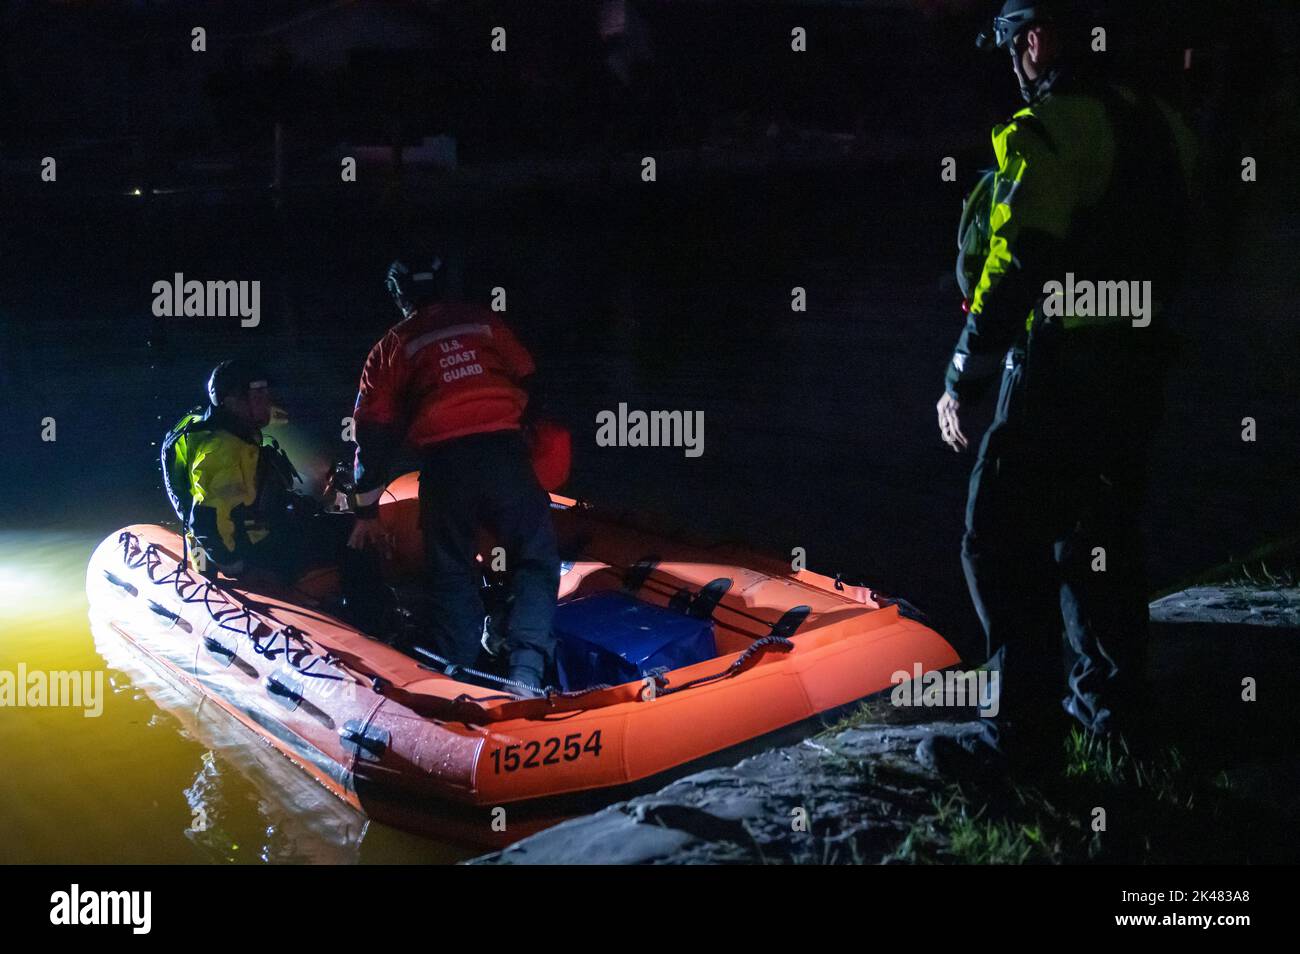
x: 159, y: 776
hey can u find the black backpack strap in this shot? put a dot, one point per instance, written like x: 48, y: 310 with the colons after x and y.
x: 279, y: 462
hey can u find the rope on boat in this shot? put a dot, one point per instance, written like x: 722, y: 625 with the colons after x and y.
x: 448, y: 668
x: 756, y: 648
x: 237, y: 618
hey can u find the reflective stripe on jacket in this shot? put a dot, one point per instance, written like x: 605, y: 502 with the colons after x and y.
x: 448, y: 371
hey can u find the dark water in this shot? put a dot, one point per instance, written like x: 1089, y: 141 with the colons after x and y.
x: 819, y: 427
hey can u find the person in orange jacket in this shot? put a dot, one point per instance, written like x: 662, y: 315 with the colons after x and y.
x: 450, y: 380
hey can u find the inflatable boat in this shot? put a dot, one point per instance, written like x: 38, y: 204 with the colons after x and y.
x: 668, y: 656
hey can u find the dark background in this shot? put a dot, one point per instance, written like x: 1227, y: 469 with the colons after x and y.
x: 775, y: 169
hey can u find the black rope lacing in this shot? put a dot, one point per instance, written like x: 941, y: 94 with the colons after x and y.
x: 234, y: 617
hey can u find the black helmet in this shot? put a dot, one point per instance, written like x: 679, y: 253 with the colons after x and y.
x: 233, y: 376
x: 1018, y: 15
x: 413, y: 286
x: 1014, y: 16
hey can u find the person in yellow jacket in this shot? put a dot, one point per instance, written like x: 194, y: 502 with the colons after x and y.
x: 233, y: 490
x: 1086, y: 238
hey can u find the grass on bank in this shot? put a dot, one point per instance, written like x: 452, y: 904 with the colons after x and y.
x: 1270, y: 565
x: 1108, y: 805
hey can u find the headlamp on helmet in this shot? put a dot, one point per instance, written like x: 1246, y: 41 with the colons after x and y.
x: 1014, y: 16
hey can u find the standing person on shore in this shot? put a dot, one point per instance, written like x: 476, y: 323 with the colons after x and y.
x: 1091, y: 187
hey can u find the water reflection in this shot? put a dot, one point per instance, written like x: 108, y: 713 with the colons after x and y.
x: 163, y: 775
x: 247, y: 803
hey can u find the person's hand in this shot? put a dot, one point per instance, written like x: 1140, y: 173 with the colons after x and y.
x: 950, y: 423
x: 369, y: 532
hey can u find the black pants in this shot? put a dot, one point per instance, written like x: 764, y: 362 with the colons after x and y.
x: 1053, y: 541
x: 308, y: 537
x: 487, y: 481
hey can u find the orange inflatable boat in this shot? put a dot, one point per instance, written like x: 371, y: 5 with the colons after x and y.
x: 417, y: 748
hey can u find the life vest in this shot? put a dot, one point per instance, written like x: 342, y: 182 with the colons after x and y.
x: 275, y: 472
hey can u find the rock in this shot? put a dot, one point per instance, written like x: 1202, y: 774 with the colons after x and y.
x: 696, y: 822
x: 608, y: 837
x: 1229, y: 603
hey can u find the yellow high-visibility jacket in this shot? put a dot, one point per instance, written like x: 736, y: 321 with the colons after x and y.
x: 1093, y: 181
x: 220, y: 476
